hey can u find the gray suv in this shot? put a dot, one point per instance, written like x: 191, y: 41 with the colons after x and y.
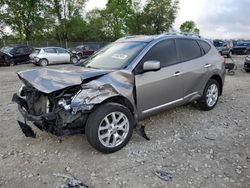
x: 131, y: 79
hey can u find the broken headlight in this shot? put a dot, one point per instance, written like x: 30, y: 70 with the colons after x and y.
x: 63, y: 103
x: 21, y: 90
x: 248, y: 58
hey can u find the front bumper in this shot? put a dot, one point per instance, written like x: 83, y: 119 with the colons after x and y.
x: 34, y: 61
x: 45, y: 122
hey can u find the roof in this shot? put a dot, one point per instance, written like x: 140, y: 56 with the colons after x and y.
x: 149, y: 38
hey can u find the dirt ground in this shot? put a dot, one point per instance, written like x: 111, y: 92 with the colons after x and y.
x: 199, y: 149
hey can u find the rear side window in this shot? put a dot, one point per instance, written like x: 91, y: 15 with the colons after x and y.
x: 61, y: 51
x: 164, y: 51
x: 20, y: 50
x: 205, y: 46
x: 189, y: 49
x: 50, y: 50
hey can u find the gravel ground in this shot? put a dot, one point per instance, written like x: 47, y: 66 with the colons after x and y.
x: 198, y: 149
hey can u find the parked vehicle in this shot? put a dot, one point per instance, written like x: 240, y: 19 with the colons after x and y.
x: 247, y: 64
x: 15, y: 55
x: 83, y: 51
x: 223, y: 47
x: 52, y: 55
x: 125, y: 82
x: 241, y: 48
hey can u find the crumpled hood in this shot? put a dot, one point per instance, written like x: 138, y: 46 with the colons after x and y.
x: 51, y: 80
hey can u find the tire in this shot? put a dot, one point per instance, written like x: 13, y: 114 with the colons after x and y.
x: 74, y: 60
x: 43, y: 62
x: 100, y: 132
x: 211, y: 86
x: 8, y: 61
x: 247, y: 70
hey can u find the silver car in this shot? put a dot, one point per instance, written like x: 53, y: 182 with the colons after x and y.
x: 52, y: 55
x: 129, y: 80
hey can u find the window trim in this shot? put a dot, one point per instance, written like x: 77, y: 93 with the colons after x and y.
x: 137, y: 69
x: 204, y: 52
x: 201, y: 50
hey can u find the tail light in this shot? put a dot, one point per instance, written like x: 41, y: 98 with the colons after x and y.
x: 223, y: 60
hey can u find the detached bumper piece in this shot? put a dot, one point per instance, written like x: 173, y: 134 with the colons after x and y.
x: 26, y: 129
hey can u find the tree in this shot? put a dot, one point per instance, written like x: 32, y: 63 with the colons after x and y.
x: 67, y: 17
x: 95, y: 26
x: 190, y: 27
x: 135, y: 23
x: 25, y: 17
x: 117, y: 15
x: 159, y: 15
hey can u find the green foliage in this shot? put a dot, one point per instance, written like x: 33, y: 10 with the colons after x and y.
x: 190, y: 27
x: 116, y: 16
x: 159, y: 16
x: 24, y: 17
x: 66, y: 20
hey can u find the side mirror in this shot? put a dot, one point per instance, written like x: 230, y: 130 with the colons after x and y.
x: 151, y: 66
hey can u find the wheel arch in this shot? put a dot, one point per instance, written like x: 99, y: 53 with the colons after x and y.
x: 121, y: 100
x: 219, y: 80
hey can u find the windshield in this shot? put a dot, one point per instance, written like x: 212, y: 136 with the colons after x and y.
x: 6, y: 49
x: 114, y: 56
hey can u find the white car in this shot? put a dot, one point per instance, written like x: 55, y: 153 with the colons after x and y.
x: 52, y: 55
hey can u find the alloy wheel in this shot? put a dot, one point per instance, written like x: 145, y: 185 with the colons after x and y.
x: 113, y: 129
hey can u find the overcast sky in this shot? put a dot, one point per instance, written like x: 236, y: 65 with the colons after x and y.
x: 215, y: 18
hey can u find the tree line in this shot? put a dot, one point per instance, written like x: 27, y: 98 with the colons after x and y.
x: 67, y: 20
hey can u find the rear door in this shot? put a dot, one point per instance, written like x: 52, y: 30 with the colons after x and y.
x: 195, y: 65
x: 157, y: 90
x: 63, y: 55
x: 19, y: 54
x: 51, y: 55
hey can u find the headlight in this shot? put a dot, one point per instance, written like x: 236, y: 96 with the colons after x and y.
x: 248, y: 58
x: 21, y: 89
x: 63, y: 103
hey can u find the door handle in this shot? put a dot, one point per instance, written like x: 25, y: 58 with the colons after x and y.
x: 207, y: 65
x: 178, y: 73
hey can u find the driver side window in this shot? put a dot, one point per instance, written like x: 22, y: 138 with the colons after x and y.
x: 164, y: 51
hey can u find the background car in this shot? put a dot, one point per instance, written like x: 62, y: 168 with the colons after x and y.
x: 223, y: 47
x: 241, y: 48
x: 14, y: 55
x: 52, y: 55
x: 247, y: 64
x: 83, y: 51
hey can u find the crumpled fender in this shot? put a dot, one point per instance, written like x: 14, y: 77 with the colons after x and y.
x: 118, y: 83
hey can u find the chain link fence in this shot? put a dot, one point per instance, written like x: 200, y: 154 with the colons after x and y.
x: 63, y: 44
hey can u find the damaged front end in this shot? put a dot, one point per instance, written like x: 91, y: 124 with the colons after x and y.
x: 49, y: 112
x: 64, y: 108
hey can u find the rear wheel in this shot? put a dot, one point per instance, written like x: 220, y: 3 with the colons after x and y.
x: 109, y: 127
x: 74, y: 60
x: 43, y: 62
x: 210, y: 96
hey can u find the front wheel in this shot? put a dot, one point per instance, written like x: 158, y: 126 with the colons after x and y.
x: 247, y: 70
x: 109, y: 127
x: 210, y: 96
x: 43, y: 62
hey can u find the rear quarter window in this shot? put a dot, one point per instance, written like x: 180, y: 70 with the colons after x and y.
x: 189, y: 49
x: 205, y: 46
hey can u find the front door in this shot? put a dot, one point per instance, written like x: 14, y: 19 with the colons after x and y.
x: 158, y: 90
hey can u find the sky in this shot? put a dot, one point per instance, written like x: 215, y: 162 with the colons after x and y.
x: 226, y: 19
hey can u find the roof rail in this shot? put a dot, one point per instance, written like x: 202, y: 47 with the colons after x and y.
x: 182, y: 34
